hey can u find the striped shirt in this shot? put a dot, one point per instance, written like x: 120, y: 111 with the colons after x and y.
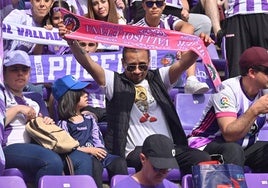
x: 229, y: 102
x: 166, y: 22
x: 246, y: 7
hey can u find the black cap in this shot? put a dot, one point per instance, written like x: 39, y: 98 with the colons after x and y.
x: 160, y: 151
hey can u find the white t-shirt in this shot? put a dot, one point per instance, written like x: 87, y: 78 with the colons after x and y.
x: 15, y: 131
x: 138, y: 130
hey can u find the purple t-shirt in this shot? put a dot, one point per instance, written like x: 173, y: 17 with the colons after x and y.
x: 130, y: 182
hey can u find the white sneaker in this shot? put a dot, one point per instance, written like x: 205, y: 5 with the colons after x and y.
x: 194, y: 86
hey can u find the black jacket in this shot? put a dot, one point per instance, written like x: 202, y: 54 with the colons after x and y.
x: 119, y: 107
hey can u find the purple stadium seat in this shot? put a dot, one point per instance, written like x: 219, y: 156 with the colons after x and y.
x: 201, y: 74
x: 12, y: 182
x: 186, y: 105
x: 257, y: 180
x: 263, y: 134
x: 105, y: 176
x: 117, y: 178
x: 77, y: 181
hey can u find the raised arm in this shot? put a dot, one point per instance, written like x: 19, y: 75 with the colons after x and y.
x: 187, y: 59
x: 83, y: 58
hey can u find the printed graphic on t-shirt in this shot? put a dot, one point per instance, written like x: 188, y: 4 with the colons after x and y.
x: 143, y: 105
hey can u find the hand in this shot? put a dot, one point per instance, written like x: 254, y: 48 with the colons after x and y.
x: 185, y: 15
x: 63, y: 31
x: 28, y: 112
x: 48, y: 27
x: 206, y: 39
x: 120, y: 4
x: 99, y: 153
x: 261, y: 105
x: 48, y: 120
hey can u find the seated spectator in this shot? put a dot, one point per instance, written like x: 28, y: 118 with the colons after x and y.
x: 236, y: 114
x: 96, y: 100
x: 173, y: 23
x: 36, y: 16
x: 88, y: 46
x: 81, y: 6
x: 18, y: 149
x: 201, y: 23
x: 157, y: 158
x: 138, y: 103
x: 54, y: 19
x: 72, y: 98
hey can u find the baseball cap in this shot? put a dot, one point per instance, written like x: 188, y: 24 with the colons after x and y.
x: 68, y: 82
x: 160, y: 151
x: 254, y: 56
x: 15, y: 57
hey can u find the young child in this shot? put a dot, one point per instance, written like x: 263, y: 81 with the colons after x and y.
x: 53, y: 20
x: 72, y: 98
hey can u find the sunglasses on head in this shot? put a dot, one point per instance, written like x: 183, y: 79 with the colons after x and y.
x: 150, y: 4
x: 83, y: 44
x: 141, y: 67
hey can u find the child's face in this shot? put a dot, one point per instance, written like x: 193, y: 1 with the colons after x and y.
x: 56, y: 18
x: 83, y: 101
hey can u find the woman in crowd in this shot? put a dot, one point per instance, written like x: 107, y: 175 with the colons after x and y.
x: 20, y: 153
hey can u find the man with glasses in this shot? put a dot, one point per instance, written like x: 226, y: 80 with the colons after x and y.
x: 138, y: 104
x: 157, y: 158
x: 155, y: 18
x: 235, y: 115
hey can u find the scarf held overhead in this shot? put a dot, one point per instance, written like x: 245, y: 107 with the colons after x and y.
x: 138, y: 37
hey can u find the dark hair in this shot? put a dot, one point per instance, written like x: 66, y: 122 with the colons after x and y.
x: 129, y: 49
x: 112, y: 14
x: 62, y: 4
x: 67, y: 104
x: 244, y: 71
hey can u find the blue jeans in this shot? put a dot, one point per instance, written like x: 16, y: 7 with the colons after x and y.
x: 82, y: 163
x: 33, y: 159
x: 39, y: 161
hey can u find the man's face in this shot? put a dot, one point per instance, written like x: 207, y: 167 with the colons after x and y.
x: 136, y: 64
x: 88, y: 46
x: 152, y: 175
x: 153, y: 8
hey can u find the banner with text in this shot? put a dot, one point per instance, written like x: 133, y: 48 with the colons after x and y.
x: 83, y: 28
x: 48, y: 68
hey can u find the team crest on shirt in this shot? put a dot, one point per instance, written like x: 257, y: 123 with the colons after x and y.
x: 224, y: 102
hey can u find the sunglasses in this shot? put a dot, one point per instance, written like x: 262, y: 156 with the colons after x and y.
x: 141, y: 67
x: 83, y: 44
x: 150, y: 4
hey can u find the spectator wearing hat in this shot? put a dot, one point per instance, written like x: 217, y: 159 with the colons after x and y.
x: 157, y: 158
x: 72, y: 98
x: 235, y: 115
x: 19, y: 152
